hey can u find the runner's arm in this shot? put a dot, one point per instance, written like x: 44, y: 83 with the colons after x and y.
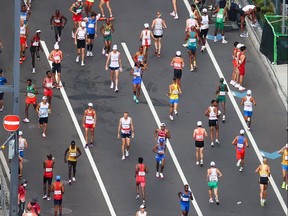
x: 194, y: 134
x: 246, y: 142
x: 243, y: 100
x: 164, y: 24
x: 219, y: 173
x: 65, y: 19
x: 234, y: 142
x: 132, y: 127
x: 71, y: 9
x: 119, y: 60
x: 25, y: 143
x: 79, y: 151
x: 65, y: 155
x: 83, y: 119
x: 168, y: 134
x: 51, y: 19
x: 258, y: 168
x: 107, y: 61
x: 153, y: 23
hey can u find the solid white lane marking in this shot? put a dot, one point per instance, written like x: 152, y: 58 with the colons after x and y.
x: 158, y: 122
x: 241, y: 118
x: 81, y: 136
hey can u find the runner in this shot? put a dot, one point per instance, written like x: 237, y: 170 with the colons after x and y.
x: 177, y: 63
x: 57, y: 23
x: 145, y: 37
x: 126, y: 129
x: 248, y: 101
x: 73, y: 153
x: 43, y: 112
x: 35, y: 206
x: 24, y: 14
x: 91, y: 25
x: 20, y: 165
x: 48, y: 166
x: 23, y: 36
x: 213, y: 174
x: 221, y: 96
x: 162, y: 132
x: 27, y: 4
x: 219, y: 24
x: 140, y: 173
x: 29, y: 212
x: 137, y: 73
x: 22, y: 197
x: 58, y: 190
x: 3, y: 81
x: 88, y: 7
x: 102, y: 2
x: 205, y: 21
x: 191, y: 40
x: 76, y: 9
x: 241, y: 67
x: 235, y: 74
x: 250, y: 11
x: 89, y: 123
x: 106, y: 30
x: 185, y: 198
x: 142, y: 211
x: 160, y: 150
x: 189, y: 23
x: 31, y: 92
x: 115, y: 66
x: 264, y: 172
x: 80, y: 41
x: 35, y: 47
x: 174, y: 12
x: 173, y: 94
x: 56, y: 56
x: 198, y: 135
x: 139, y: 56
x: 213, y: 114
x: 49, y: 83
x: 240, y: 142
x: 157, y: 25
x: 22, y: 144
x: 195, y: 12
x: 284, y: 152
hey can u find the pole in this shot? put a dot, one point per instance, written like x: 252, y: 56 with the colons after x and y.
x: 16, y: 75
x: 283, y: 17
x: 277, y: 7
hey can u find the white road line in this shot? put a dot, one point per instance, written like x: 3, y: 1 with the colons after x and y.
x: 158, y: 122
x: 81, y: 136
x: 237, y: 109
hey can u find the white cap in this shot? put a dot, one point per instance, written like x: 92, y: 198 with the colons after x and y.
x: 142, y: 206
x: 56, y: 46
x: 20, y: 133
x: 239, y: 45
x: 191, y: 15
x: 146, y: 25
x: 242, y: 132
x: 163, y: 124
x: 199, y: 123
x: 38, y: 31
x: 212, y: 164
x: 44, y: 98
x: 90, y: 104
x: 204, y: 10
x: 178, y: 53
x: 285, y: 145
x: 114, y: 47
x: 249, y: 92
x: 83, y: 24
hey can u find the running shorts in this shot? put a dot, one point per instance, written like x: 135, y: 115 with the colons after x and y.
x: 158, y: 36
x: 263, y: 180
x: 113, y: 68
x: 91, y: 36
x: 219, y: 26
x: 89, y: 4
x: 159, y: 157
x: 185, y: 207
x: 234, y: 63
x: 174, y: 101
x: 137, y: 81
x: 45, y: 180
x: 81, y: 44
x: 240, y: 153
x: 177, y: 73
x: 213, y: 123
x: 213, y: 184
x: 192, y: 49
x: 241, y: 71
x: 221, y: 98
x: 199, y: 144
x: 56, y: 67
x: 1, y: 95
x: 43, y: 120
x: 248, y: 113
x: 125, y: 135
x: 140, y: 181
x: 21, y: 154
x: 77, y: 18
x: 58, y: 202
x: 48, y: 93
x: 105, y: 0
x: 88, y: 125
x: 204, y: 32
x: 22, y: 40
x: 30, y: 100
x: 285, y: 167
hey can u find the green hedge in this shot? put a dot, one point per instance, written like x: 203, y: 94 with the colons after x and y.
x: 265, y: 10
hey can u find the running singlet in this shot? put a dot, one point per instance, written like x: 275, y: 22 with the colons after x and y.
x: 285, y: 157
x: 213, y: 177
x: 205, y: 22
x: 212, y: 113
x: 114, y: 57
x: 137, y: 72
x: 48, y: 84
x: 192, y: 41
x: 199, y: 134
x: 48, y: 171
x: 240, y: 143
x: 81, y: 33
x: 91, y: 24
x: 23, y: 16
x: 35, y: 41
x: 185, y: 197
x: 21, y: 144
x: 140, y: 176
x: 220, y: 16
x: 248, y: 104
x: 141, y: 214
x: 89, y: 118
x: 43, y: 110
x: 57, y: 21
x: 57, y: 191
x: 30, y: 91
x: 72, y: 153
x: 177, y: 63
x: 146, y: 37
x: 263, y: 172
x: 56, y: 56
x: 158, y: 28
x: 125, y: 125
x: 162, y: 134
x: 174, y: 94
x: 139, y: 57
x: 222, y: 91
x: 107, y: 30
x: 23, y: 30
x: 160, y: 150
x: 242, y: 64
x: 78, y: 9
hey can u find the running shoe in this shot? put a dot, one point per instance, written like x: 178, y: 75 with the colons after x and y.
x: 116, y: 89
x: 161, y: 175
x: 126, y: 153
x: 223, y: 118
x: 197, y: 163
x: 137, y: 196
x: 215, y: 40
x: 232, y: 82
x: 33, y: 71
x: 172, y: 13
x: 175, y: 112
x: 103, y: 51
x: 26, y: 120
x: 176, y: 17
x: 171, y: 117
x: 86, y: 146
x: 48, y: 198
x: 157, y: 174
x: 123, y: 157
x: 74, y: 179
x: 88, y: 54
x: 241, y: 169
x: 44, y: 197
x: 224, y: 41
x: 43, y: 135
x: 82, y: 63
x: 134, y: 97
x: 241, y: 88
x: 137, y: 101
x: 237, y: 85
x: 112, y: 85
x: 77, y: 59
x: 1, y: 109
x: 283, y: 185
x: 238, y: 163
x: 217, y: 142
x: 201, y: 162
x: 91, y: 54
x: 212, y: 144
x: 70, y: 182
x: 211, y: 200
x: 217, y: 202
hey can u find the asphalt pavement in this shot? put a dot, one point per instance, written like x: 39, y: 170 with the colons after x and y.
x: 91, y: 84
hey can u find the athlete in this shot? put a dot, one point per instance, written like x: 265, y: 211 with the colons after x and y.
x: 137, y: 73
x: 185, y: 198
x: 213, y: 114
x: 115, y: 66
x: 3, y: 81
x: 89, y: 123
x: 189, y: 23
x: 174, y: 12
x: 158, y: 25
x: 25, y: 14
x: 240, y: 142
x: 106, y: 30
x: 126, y: 130
x: 264, y: 172
x: 142, y: 211
x: 35, y: 206
x: 191, y: 40
x: 284, y: 152
x: 221, y: 13
x: 241, y: 66
x: 235, y: 73
x: 88, y: 7
x: 31, y: 93
x: 23, y: 40
x: 198, y: 135
x: 160, y: 150
x: 29, y: 212
x: 80, y: 41
x: 139, y: 55
x: 76, y: 9
x: 146, y: 36
x: 57, y: 23
x: 22, y: 144
x: 48, y: 166
x: 204, y: 28
x: 43, y: 112
x: 35, y: 47
x: 250, y: 11
x: 48, y: 84
x: 73, y: 153
x: 102, y: 2
x: 173, y: 94
x: 22, y: 196
x: 91, y: 25
x: 177, y: 63
x: 248, y: 101
x: 140, y: 175
x: 213, y: 174
x: 221, y: 96
x: 162, y: 132
x: 56, y: 56
x: 58, y: 190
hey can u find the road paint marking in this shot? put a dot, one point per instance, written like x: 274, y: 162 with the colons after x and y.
x: 81, y: 136
x: 158, y: 122
x: 237, y: 109
x: 273, y: 155
x: 238, y: 94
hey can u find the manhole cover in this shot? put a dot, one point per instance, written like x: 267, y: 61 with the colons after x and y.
x: 64, y: 211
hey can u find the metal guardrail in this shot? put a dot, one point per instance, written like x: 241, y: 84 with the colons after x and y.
x: 4, y: 193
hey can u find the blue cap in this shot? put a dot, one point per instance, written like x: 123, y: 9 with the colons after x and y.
x: 161, y: 140
x: 58, y: 178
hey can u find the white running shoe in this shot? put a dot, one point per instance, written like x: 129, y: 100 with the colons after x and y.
x: 224, y: 41
x: 237, y: 85
x: 157, y: 174
x: 91, y: 54
x: 103, y: 52
x: 126, y: 153
x: 1, y: 109
x: 185, y: 45
x: 26, y: 120
x: 116, y: 89
x: 241, y: 169
x: 161, y: 175
x: 211, y: 200
x: 171, y: 117
x: 217, y: 202
x: 172, y: 13
x: 232, y: 82
x: 217, y: 141
x: 215, y: 40
x: 241, y: 88
x: 33, y: 71
x: 112, y: 85
x: 238, y: 163
x: 123, y: 157
x: 77, y: 59
x: 137, y: 196
x: 197, y: 163
x: 201, y: 162
x: 70, y: 182
x: 44, y: 197
x: 74, y: 179
x: 175, y: 112
x: 48, y: 198
x: 176, y: 17
x: 43, y: 135
x: 223, y: 118
x: 212, y: 144
x: 88, y: 54
x: 59, y: 38
x: 82, y: 63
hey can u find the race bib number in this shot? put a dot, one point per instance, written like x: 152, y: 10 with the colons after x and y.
x: 192, y: 40
x: 175, y: 92
x: 239, y: 145
x: 199, y: 137
x: 222, y: 93
x: 49, y: 85
x: 35, y: 43
x: 78, y: 11
x: 106, y: 32
x: 177, y: 65
x: 48, y: 169
x: 72, y: 154
x: 30, y: 94
x: 219, y: 16
x: 160, y: 152
x: 137, y: 74
x: 56, y: 58
x: 141, y: 173
x: 57, y: 21
x: 185, y: 199
x: 57, y: 192
x: 90, y: 25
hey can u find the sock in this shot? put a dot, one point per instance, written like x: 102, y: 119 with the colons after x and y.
x: 91, y: 47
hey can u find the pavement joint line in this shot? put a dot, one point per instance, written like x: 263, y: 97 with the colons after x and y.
x: 158, y: 122
x: 5, y: 165
x: 241, y: 118
x: 82, y: 139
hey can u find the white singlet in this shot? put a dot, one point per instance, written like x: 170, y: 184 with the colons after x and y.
x: 43, y: 110
x: 248, y: 104
x: 158, y: 28
x: 21, y: 144
x: 23, y: 30
x: 205, y: 22
x: 189, y: 23
x: 248, y: 7
x: 125, y: 125
x: 81, y: 33
x: 146, y: 39
x: 212, y: 114
x: 114, y: 57
x: 213, y: 177
x: 142, y: 214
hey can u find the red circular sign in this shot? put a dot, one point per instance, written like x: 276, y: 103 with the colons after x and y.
x: 11, y: 123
